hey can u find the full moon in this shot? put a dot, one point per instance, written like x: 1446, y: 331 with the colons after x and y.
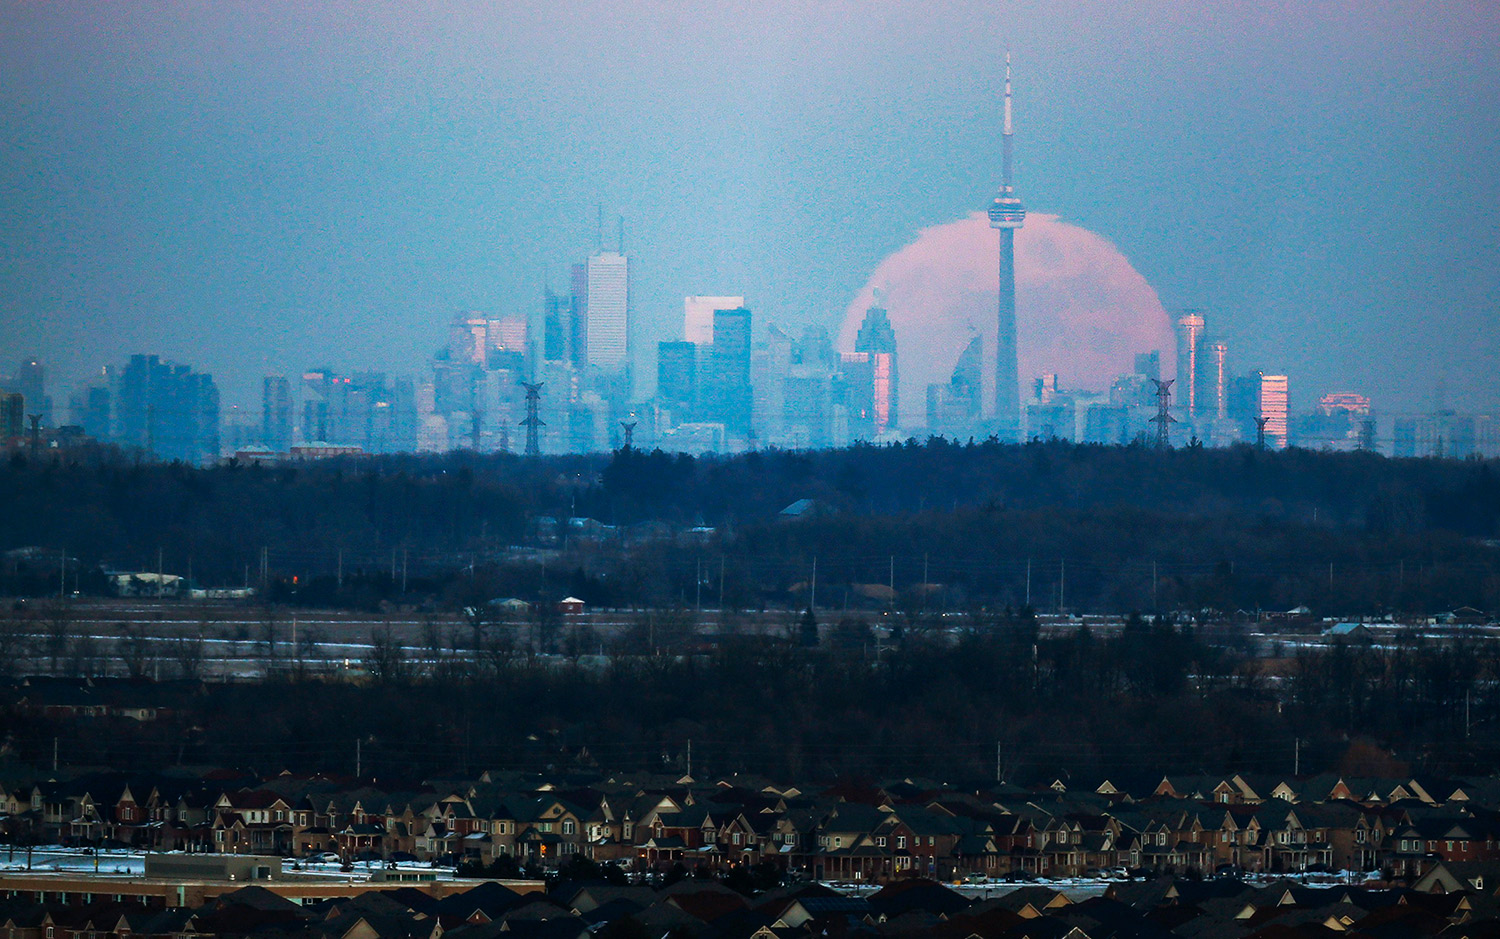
x: 1082, y: 312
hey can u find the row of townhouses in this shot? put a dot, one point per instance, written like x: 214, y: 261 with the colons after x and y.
x: 890, y: 831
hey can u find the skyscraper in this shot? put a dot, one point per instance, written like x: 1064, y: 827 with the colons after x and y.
x: 168, y: 410
x: 1275, y: 407
x: 1148, y: 363
x: 1189, y: 339
x: 276, y: 413
x: 608, y: 335
x: 698, y: 316
x: 729, y: 378
x: 953, y: 409
x: 1006, y: 215
x: 1216, y: 385
x: 578, y: 325
x: 1260, y: 397
x: 557, y: 326
x: 677, y: 378
x: 12, y: 414
x: 31, y: 382
x: 877, y: 337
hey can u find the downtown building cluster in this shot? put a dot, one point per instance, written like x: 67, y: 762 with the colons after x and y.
x: 727, y: 384
x: 562, y: 378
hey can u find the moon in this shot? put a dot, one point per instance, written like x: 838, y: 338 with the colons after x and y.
x: 1082, y: 311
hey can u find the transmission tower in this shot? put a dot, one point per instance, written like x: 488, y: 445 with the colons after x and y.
x: 1163, y: 419
x: 533, y: 421
x: 629, y: 428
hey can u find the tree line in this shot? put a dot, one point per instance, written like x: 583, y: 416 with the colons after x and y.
x: 1059, y: 526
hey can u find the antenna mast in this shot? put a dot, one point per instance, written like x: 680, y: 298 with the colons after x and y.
x: 1005, y: 135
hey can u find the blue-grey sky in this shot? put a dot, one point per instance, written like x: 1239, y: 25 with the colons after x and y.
x: 254, y: 187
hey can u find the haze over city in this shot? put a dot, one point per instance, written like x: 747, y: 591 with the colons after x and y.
x: 256, y: 188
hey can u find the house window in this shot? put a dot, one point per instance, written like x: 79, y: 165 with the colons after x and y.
x: 901, y: 841
x: 735, y: 839
x: 1062, y: 837
x: 838, y: 841
x: 880, y: 841
x: 1360, y: 836
x: 545, y: 827
x: 791, y: 837
x: 568, y: 827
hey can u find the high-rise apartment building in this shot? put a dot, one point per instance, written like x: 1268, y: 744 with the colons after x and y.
x: 168, y: 410
x: 1215, y: 386
x: 1189, y: 327
x: 1275, y: 409
x: 276, y: 413
x: 608, y: 324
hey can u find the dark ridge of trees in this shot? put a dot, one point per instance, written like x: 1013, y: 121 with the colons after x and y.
x: 1099, y: 528
x: 1157, y: 697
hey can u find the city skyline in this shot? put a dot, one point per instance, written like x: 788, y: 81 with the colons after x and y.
x: 174, y: 194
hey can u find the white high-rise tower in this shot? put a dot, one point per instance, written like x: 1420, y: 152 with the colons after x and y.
x: 607, y: 306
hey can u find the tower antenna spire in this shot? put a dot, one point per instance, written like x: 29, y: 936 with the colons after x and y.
x: 1006, y: 132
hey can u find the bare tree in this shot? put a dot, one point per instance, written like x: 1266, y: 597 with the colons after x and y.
x: 187, y: 654
x: 133, y: 648
x: 386, y: 660
x: 58, y: 621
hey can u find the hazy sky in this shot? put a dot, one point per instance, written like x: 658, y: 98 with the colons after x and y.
x: 253, y: 187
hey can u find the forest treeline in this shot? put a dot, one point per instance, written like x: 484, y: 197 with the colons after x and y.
x: 1061, y: 526
x: 997, y: 695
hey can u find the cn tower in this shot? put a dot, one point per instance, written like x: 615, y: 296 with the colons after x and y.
x: 1007, y: 214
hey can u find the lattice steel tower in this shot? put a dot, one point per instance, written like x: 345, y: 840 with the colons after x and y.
x: 533, y: 422
x: 1007, y: 214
